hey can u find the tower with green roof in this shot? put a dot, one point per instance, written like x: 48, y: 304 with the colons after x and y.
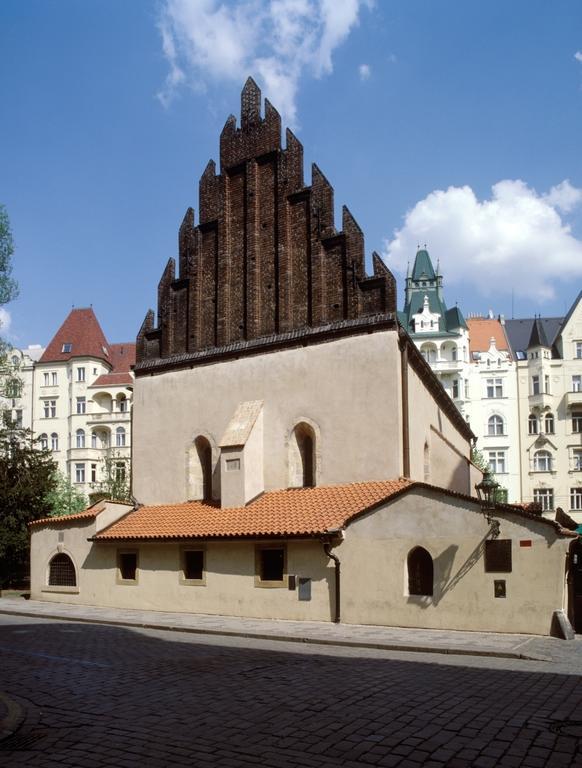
x: 440, y: 333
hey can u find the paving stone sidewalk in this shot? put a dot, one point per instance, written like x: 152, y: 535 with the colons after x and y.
x: 322, y: 633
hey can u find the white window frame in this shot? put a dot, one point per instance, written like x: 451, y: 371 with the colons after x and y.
x: 535, y: 385
x: 495, y: 425
x: 81, y: 405
x: 497, y: 462
x: 80, y: 438
x: 81, y: 374
x: 543, y: 461
x: 577, y: 383
x: 120, y: 437
x: 577, y: 459
x: 578, y: 350
x: 50, y: 409
x: 576, y: 499
x: 54, y: 441
x: 494, y: 388
x: 544, y: 497
x: 80, y: 472
x: 43, y: 440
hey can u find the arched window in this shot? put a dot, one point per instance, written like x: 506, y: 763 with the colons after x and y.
x: 122, y: 404
x: 62, y: 572
x: 43, y: 441
x: 495, y: 425
x: 204, y: 451
x: 542, y: 461
x: 532, y: 424
x: 549, y: 424
x: 93, y: 439
x: 54, y: 442
x: 80, y: 438
x: 120, y: 437
x: 420, y: 572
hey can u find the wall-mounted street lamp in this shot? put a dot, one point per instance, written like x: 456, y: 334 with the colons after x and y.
x: 486, y: 492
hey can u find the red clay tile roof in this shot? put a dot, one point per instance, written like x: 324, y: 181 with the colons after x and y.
x: 82, y: 331
x: 88, y: 513
x: 290, y: 512
x: 481, y: 329
x: 122, y: 358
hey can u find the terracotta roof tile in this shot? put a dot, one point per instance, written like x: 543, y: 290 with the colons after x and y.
x: 481, y: 329
x: 86, y: 514
x: 122, y: 358
x: 81, y: 330
x: 290, y: 512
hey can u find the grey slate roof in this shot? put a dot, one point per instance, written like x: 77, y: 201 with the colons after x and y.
x: 519, y: 331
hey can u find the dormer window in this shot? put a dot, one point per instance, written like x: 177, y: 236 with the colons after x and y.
x: 67, y: 347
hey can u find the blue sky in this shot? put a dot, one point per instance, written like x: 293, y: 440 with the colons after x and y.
x: 445, y: 122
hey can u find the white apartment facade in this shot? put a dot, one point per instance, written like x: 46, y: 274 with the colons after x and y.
x: 82, y: 401
x: 549, y: 375
x: 16, y: 401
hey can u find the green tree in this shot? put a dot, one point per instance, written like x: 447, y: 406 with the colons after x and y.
x: 481, y: 463
x: 9, y: 379
x: 64, y: 498
x: 27, y: 476
x: 116, y: 479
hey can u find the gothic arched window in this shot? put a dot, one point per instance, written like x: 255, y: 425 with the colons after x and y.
x: 420, y: 572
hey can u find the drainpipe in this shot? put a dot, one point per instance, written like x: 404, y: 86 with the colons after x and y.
x: 327, y: 547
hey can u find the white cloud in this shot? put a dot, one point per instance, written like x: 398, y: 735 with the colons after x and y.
x: 515, y: 240
x: 365, y: 71
x: 5, y: 322
x: 279, y: 41
x: 578, y: 56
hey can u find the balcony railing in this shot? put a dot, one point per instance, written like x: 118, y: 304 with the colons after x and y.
x: 573, y: 399
x: 113, y: 416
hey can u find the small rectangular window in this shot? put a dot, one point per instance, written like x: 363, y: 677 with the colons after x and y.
x: 576, y: 499
x: 80, y: 374
x: 193, y: 564
x: 578, y: 350
x: 81, y: 405
x: 577, y: 422
x: 535, y: 385
x: 498, y: 556
x: 67, y: 347
x: 576, y: 383
x: 544, y: 497
x: 54, y: 378
x: 93, y: 473
x: 127, y: 565
x: 45, y: 379
x: 79, y: 473
x: 272, y: 564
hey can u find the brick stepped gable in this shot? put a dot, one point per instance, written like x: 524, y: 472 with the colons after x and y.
x: 266, y: 258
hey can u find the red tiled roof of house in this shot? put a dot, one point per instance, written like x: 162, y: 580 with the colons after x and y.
x: 290, y: 512
x: 79, y: 336
x: 122, y: 358
x: 86, y: 514
x: 481, y: 329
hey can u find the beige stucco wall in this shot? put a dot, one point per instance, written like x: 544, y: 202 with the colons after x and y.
x: 229, y: 587
x: 448, y: 450
x: 374, y: 569
x: 374, y: 585
x: 349, y: 388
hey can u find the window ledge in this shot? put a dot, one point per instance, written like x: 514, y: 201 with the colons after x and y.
x: 193, y: 582
x: 62, y: 590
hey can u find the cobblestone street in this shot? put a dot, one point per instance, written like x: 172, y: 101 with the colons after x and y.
x: 95, y: 696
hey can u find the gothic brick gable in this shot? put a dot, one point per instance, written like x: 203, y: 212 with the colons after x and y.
x: 265, y: 260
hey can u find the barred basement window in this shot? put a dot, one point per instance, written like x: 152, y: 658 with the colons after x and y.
x: 498, y: 556
x: 62, y: 572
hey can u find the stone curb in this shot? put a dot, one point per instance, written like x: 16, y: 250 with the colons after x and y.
x: 304, y: 640
x: 14, y: 719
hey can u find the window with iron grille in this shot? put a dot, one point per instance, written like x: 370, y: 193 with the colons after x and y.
x: 498, y: 556
x: 62, y: 572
